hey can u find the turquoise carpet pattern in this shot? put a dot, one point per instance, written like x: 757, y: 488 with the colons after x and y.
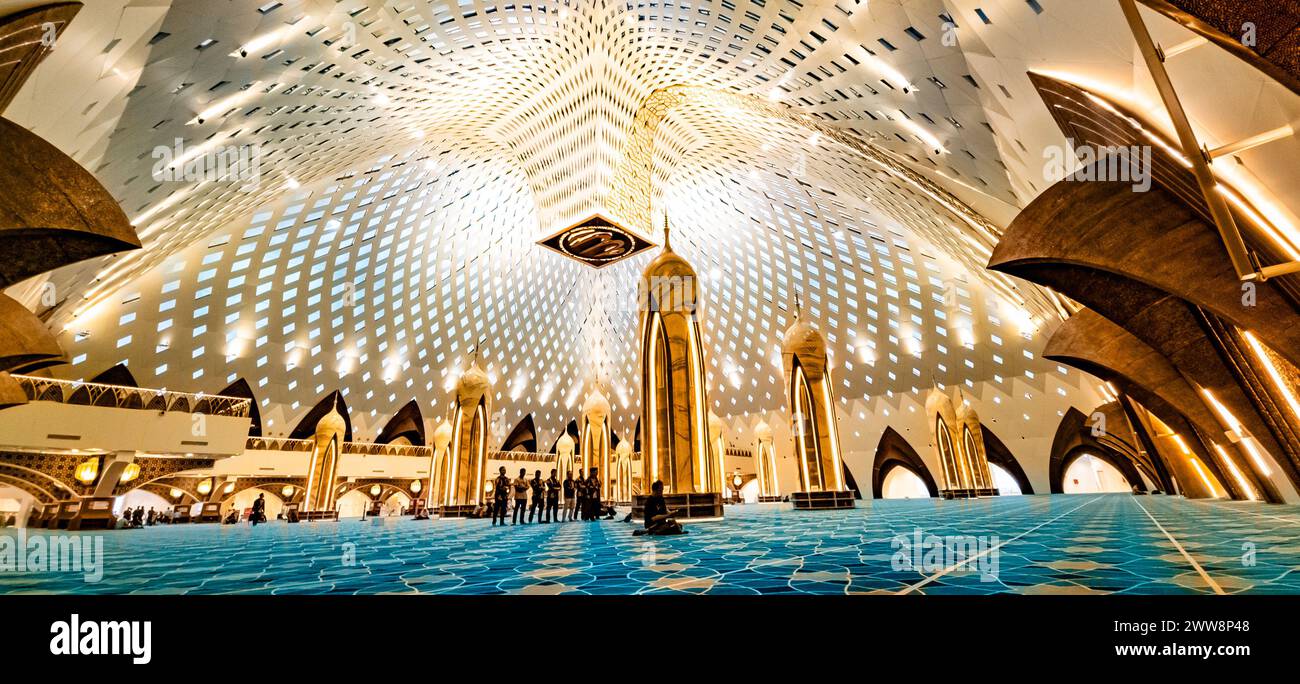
x: 1098, y: 544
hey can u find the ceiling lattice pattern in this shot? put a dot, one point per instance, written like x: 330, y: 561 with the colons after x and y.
x: 411, y: 153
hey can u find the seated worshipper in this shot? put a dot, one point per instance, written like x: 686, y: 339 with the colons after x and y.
x: 232, y: 517
x: 658, y: 519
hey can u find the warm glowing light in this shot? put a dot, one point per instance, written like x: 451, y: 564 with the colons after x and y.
x: 205, y: 486
x: 287, y: 491
x: 1234, y: 425
x: 1283, y: 387
x: 375, y: 490
x: 87, y: 471
x: 175, y: 493
x: 416, y: 486
x: 1237, y: 474
x: 1205, y: 478
x: 130, y: 472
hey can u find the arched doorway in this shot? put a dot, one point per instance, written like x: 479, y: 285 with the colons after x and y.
x: 1006, y: 483
x: 396, y: 504
x: 893, y: 452
x: 140, y: 497
x: 354, y: 504
x: 902, y: 482
x: 243, y: 501
x: 1089, y: 474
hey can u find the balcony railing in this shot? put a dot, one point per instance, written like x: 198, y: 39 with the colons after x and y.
x: 278, y: 444
x: 372, y: 449
x: 114, y: 396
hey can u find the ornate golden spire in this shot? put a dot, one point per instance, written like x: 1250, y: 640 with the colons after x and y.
x: 667, y: 245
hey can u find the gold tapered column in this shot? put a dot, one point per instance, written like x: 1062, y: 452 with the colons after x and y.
x: 959, y: 445
x: 438, y: 464
x: 564, y: 462
x: 674, y: 400
x: 323, y: 468
x: 718, y: 443
x: 623, y: 472
x: 595, y: 438
x: 468, y: 455
x: 812, y: 408
x: 765, y: 461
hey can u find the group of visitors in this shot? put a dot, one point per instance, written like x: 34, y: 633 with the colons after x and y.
x: 133, y: 518
x: 581, y: 498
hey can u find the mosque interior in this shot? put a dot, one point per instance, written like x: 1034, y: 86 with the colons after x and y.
x: 840, y: 277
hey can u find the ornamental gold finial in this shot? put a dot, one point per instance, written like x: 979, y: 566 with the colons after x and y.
x: 667, y: 245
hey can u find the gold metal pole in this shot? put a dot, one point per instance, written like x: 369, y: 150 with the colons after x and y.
x: 1223, y: 220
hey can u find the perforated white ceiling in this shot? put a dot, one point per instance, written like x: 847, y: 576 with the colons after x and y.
x: 410, y: 153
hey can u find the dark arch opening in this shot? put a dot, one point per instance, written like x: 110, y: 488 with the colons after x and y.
x: 893, y: 451
x: 1000, y: 455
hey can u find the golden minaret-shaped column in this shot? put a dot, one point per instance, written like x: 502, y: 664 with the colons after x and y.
x: 595, y: 438
x: 323, y: 469
x: 438, y: 464
x: 468, y: 454
x: 564, y: 455
x: 765, y: 461
x: 674, y: 400
x: 971, y: 446
x: 812, y: 408
x: 718, y: 442
x: 622, y: 472
x: 959, y: 447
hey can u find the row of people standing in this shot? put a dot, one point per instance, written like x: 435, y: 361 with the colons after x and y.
x: 581, y: 497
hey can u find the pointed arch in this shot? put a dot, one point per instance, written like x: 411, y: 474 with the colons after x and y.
x: 999, y: 455
x: 893, y: 451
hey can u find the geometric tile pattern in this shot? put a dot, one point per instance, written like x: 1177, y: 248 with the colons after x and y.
x: 1070, y: 544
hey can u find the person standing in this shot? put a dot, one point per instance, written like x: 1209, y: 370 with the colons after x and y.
x: 538, y: 486
x: 521, y: 497
x: 593, y: 496
x: 500, y: 496
x: 580, y: 497
x: 569, y: 501
x: 552, y: 498
x: 259, y: 510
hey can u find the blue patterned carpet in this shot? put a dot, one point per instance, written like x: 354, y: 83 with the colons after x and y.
x: 1112, y: 543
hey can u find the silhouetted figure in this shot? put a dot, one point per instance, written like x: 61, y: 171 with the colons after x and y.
x: 137, y: 519
x: 570, y: 504
x: 232, y: 517
x: 259, y: 510
x: 658, y: 519
x: 579, y: 496
x: 150, y: 517
x: 552, y: 498
x: 521, y: 497
x: 592, y: 501
x: 538, y: 485
x: 500, y: 496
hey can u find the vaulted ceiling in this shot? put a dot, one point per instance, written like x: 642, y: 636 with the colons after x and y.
x: 410, y: 154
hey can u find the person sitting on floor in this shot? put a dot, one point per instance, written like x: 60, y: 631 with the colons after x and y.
x: 659, y: 520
